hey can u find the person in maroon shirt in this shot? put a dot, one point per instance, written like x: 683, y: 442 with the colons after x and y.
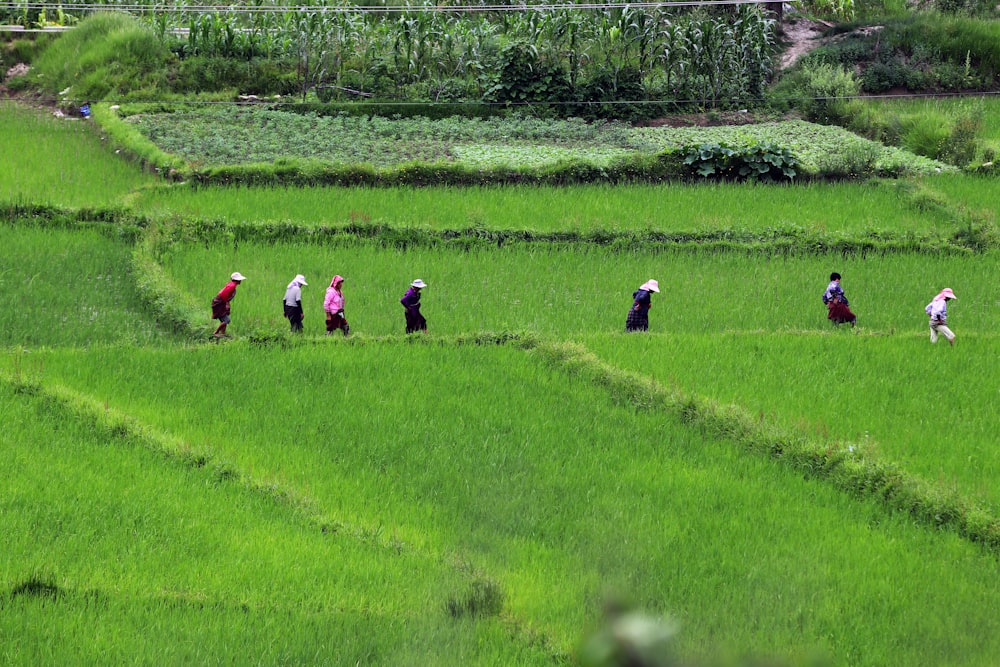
x: 220, y: 304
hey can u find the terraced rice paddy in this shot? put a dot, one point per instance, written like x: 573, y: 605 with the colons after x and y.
x: 776, y: 487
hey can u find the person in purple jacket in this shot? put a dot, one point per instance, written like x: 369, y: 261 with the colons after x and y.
x: 411, y: 306
x: 838, y: 308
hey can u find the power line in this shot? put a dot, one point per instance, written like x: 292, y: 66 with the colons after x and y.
x: 291, y: 101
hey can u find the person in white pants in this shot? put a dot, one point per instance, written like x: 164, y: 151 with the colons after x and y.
x: 938, y: 312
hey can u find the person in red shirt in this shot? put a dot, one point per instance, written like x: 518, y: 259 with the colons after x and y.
x: 220, y: 304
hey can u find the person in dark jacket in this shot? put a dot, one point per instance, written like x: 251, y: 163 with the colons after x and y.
x: 411, y: 307
x: 638, y: 314
x: 220, y: 304
x: 293, y: 302
x: 838, y: 311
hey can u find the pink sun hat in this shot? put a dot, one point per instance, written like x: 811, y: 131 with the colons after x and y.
x: 946, y: 293
x: 651, y: 286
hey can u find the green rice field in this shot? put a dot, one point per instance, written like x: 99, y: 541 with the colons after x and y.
x: 60, y: 162
x: 569, y: 292
x: 68, y: 288
x: 761, y: 486
x: 482, y: 456
x: 812, y: 207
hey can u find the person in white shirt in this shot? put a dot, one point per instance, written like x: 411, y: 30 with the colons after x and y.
x: 293, y: 302
x: 938, y: 312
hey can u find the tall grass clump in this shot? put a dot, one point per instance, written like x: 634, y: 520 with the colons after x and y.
x: 955, y: 132
x: 107, y: 55
x: 958, y: 39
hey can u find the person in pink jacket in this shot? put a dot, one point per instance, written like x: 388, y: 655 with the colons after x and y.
x: 937, y: 310
x: 333, y: 304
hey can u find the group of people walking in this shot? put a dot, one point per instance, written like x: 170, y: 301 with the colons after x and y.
x: 839, y: 311
x: 838, y: 307
x: 333, y: 305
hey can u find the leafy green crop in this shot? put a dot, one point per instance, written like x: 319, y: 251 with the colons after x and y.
x: 260, y: 135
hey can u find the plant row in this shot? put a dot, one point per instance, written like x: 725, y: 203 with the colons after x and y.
x: 267, y: 146
x: 575, y: 61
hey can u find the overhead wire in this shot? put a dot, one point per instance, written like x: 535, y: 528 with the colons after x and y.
x: 289, y: 100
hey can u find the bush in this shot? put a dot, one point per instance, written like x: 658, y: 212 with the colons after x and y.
x: 857, y: 161
x: 824, y: 89
x: 881, y: 77
x: 760, y: 161
x: 108, y: 53
x: 255, y: 77
x: 961, y: 145
x: 524, y: 77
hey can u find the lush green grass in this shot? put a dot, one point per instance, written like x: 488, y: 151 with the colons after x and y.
x: 569, y: 291
x: 975, y: 193
x: 536, y: 480
x: 987, y: 105
x: 61, y: 162
x: 961, y: 130
x: 815, y: 207
x: 61, y: 287
x: 933, y: 410
x: 116, y: 554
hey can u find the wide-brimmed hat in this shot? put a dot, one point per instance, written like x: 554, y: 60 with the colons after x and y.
x: 300, y: 279
x: 237, y: 276
x: 651, y: 286
x: 946, y: 293
x: 418, y: 283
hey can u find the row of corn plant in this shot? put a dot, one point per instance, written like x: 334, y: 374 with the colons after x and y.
x: 712, y: 57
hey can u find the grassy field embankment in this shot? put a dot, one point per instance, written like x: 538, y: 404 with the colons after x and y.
x: 535, y: 479
x: 61, y: 287
x: 117, y: 549
x: 932, y: 411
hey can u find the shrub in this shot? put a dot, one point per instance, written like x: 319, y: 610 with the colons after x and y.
x: 108, y: 53
x: 825, y: 89
x: 255, y: 77
x: 881, y: 77
x: 761, y: 161
x: 855, y: 161
x: 524, y: 77
x: 961, y: 145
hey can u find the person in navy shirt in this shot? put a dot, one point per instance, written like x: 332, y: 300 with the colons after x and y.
x: 638, y: 314
x: 411, y: 307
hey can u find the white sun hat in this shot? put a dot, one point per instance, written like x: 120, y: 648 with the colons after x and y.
x: 418, y: 283
x: 651, y: 286
x: 237, y: 276
x: 301, y: 279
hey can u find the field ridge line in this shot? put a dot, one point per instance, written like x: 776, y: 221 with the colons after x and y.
x: 119, y: 426
x: 122, y: 427
x: 843, y: 464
